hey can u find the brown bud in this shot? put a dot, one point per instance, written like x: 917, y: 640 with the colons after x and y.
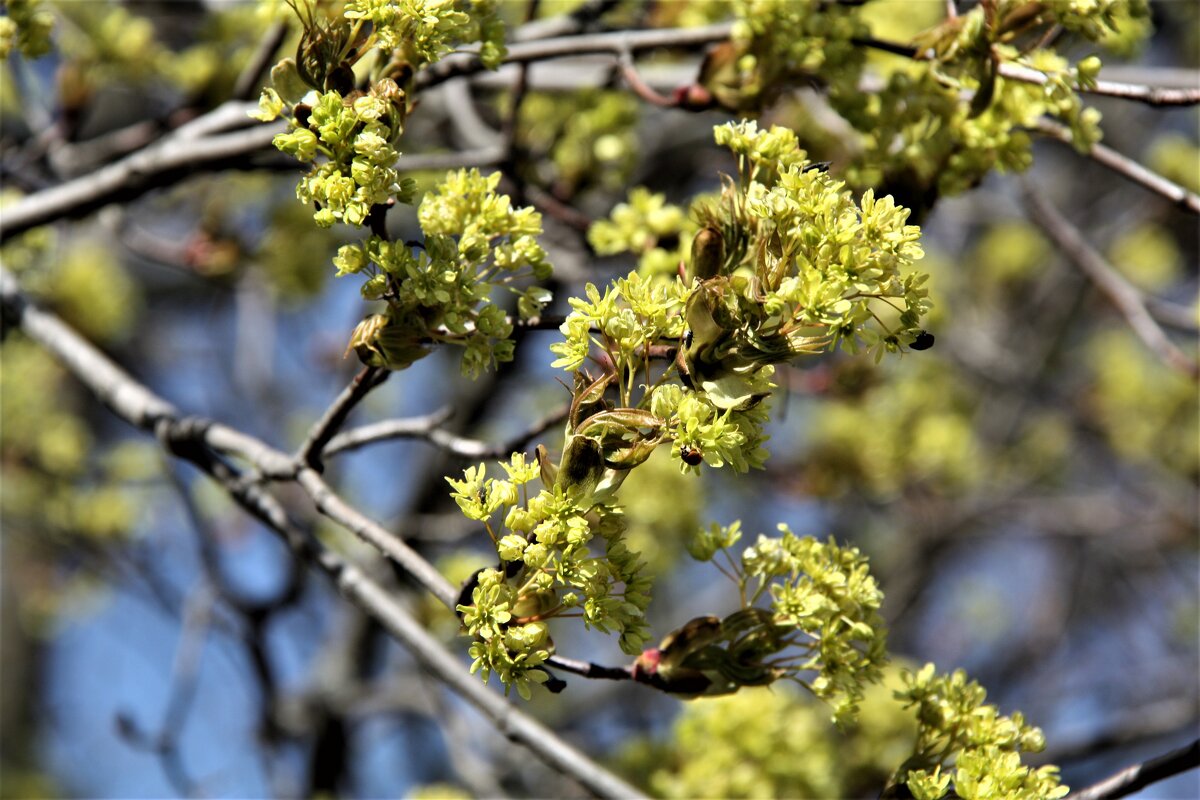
x: 708, y: 254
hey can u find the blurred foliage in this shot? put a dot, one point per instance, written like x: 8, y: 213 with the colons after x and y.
x: 87, y: 286
x: 965, y: 747
x: 25, y: 27
x: 662, y: 510
x: 1146, y: 411
x: 774, y: 742
x: 1148, y: 256
x: 60, y: 489
x: 574, y: 145
x: 438, y: 791
x: 1177, y: 158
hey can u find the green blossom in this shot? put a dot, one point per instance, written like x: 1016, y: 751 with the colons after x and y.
x: 822, y: 621
x: 270, y: 106
x: 425, y: 30
x: 965, y: 744
x: 637, y: 225
x: 25, y: 28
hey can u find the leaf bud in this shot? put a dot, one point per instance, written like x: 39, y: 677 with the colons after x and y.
x: 708, y: 254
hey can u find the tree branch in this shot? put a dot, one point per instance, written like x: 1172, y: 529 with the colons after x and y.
x: 334, y: 417
x: 1121, y: 293
x: 157, y: 165
x: 258, y: 65
x: 421, y: 427
x: 382, y: 606
x: 1139, y: 776
x: 192, y: 439
x: 1127, y: 167
x: 1150, y: 95
x: 428, y: 428
x: 176, y: 156
x: 1142, y: 93
x: 560, y: 47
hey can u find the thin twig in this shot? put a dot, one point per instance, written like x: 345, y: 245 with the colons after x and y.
x: 1127, y: 167
x: 564, y: 46
x: 1150, y: 95
x: 1131, y: 726
x: 565, y: 24
x: 1128, y: 300
x: 640, y: 88
x: 470, y: 128
x: 589, y: 670
x: 1139, y: 776
x: 334, y: 417
x: 405, y: 428
x: 260, y: 62
x: 329, y: 503
x: 1142, y: 93
x: 428, y: 428
x: 197, y: 620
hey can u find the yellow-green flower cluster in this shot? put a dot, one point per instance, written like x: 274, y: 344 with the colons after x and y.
x: 474, y: 240
x: 442, y: 290
x: 624, y: 323
x: 948, y: 122
x: 638, y: 225
x: 775, y: 742
x: 630, y: 316
x: 421, y: 32
x: 966, y: 745
x: 821, y: 625
x: 546, y: 543
x: 787, y: 264
x: 947, y: 116
x: 355, y: 138
x: 1146, y: 411
x: 825, y: 592
x: 25, y: 28
x: 835, y: 261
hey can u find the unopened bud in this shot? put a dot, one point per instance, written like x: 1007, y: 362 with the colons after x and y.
x: 708, y: 254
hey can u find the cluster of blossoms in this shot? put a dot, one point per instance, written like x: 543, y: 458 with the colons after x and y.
x: 355, y: 139
x: 946, y: 116
x: 777, y: 42
x: 420, y: 32
x: 547, y: 569
x: 919, y: 126
x: 822, y: 617
x: 25, y: 28
x: 441, y: 290
x: 966, y: 748
x: 784, y: 264
x: 354, y: 131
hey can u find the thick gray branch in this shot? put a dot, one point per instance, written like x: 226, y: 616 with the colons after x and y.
x: 158, y: 165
